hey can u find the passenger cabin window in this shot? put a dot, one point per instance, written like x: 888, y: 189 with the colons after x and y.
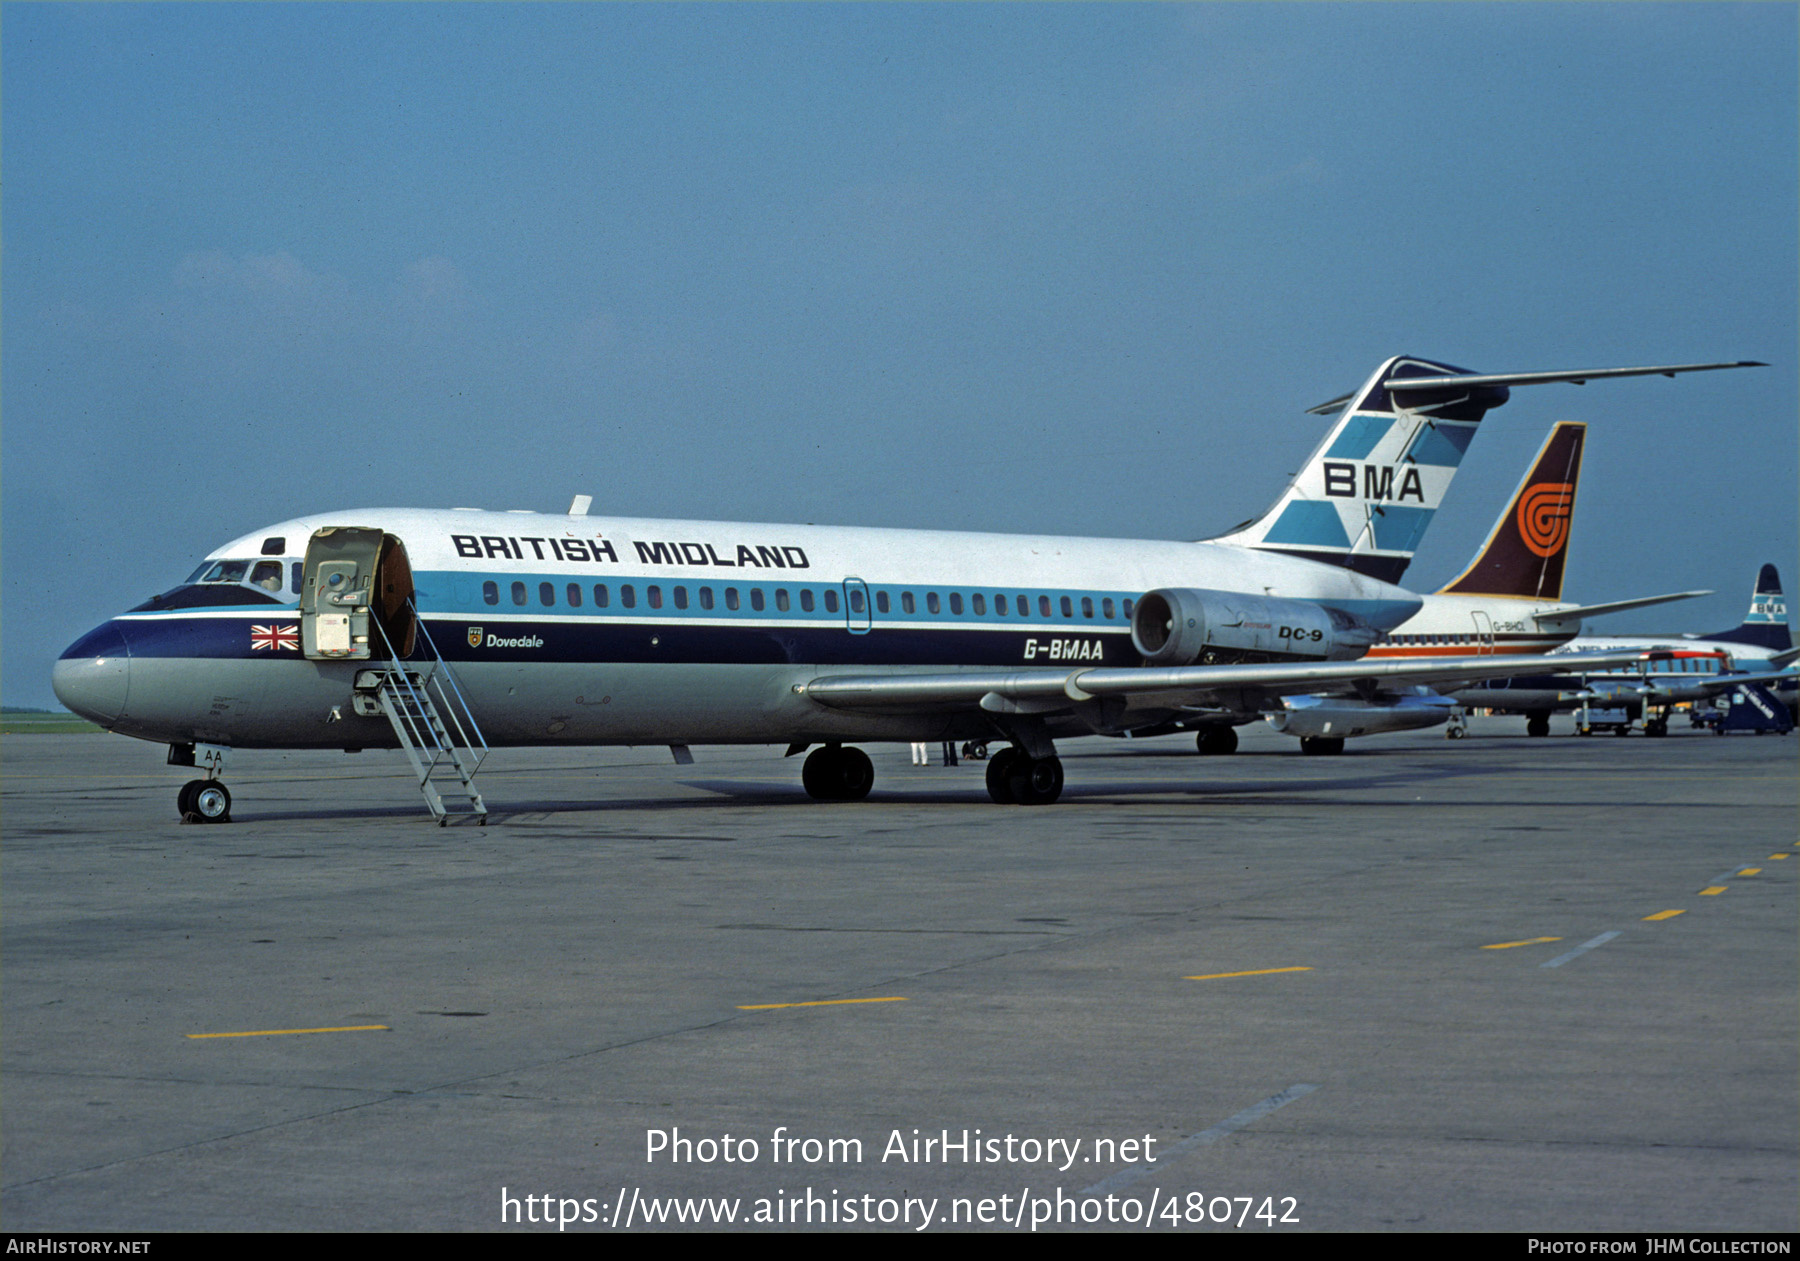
x: 856, y: 600
x: 628, y: 596
x: 574, y: 595
x: 906, y: 602
x: 756, y: 599
x: 1068, y: 608
x: 518, y: 593
x: 978, y: 604
x: 1106, y: 608
x: 653, y: 597
x: 1000, y: 604
x: 931, y: 602
x: 831, y: 600
x: 546, y: 594
x: 490, y: 591
x: 1126, y: 610
x: 731, y: 598
x: 681, y: 597
x: 1043, y: 606
x: 600, y: 593
x: 806, y: 600
x: 881, y: 602
x: 781, y: 600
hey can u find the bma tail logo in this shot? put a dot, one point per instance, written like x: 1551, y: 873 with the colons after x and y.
x: 474, y: 636
x: 1543, y: 518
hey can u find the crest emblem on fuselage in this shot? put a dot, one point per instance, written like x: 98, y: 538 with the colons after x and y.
x: 474, y: 636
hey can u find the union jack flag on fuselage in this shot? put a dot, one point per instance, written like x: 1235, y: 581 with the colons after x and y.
x: 275, y: 637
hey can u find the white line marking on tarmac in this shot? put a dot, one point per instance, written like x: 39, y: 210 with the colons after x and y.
x: 1582, y: 949
x: 1204, y: 1138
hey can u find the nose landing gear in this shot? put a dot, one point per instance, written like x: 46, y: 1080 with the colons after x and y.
x: 204, y: 801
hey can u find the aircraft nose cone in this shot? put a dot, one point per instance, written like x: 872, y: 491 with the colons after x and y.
x: 93, y: 678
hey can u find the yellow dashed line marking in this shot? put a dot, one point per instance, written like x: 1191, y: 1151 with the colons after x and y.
x: 1220, y: 976
x: 271, y: 1033
x: 1749, y: 871
x: 1529, y: 941
x: 1777, y: 857
x: 1665, y: 915
x: 822, y: 1002
x: 1713, y: 892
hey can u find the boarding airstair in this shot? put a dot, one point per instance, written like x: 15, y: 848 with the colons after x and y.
x: 432, y: 719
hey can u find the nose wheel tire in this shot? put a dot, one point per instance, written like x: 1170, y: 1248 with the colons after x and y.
x: 204, y: 801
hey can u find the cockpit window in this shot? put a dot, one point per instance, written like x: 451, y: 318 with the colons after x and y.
x: 222, y: 571
x: 266, y: 575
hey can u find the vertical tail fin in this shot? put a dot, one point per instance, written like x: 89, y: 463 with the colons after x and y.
x: 1364, y: 498
x: 1766, y: 625
x: 1524, y: 553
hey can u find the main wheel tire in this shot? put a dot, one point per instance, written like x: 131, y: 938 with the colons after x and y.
x: 856, y: 775
x: 1322, y: 746
x: 210, y: 803
x: 1537, y: 725
x: 1036, y: 781
x: 999, y: 776
x: 837, y: 774
x: 1216, y: 740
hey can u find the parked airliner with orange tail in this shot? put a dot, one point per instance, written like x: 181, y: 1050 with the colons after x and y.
x: 1509, y: 600
x: 446, y: 632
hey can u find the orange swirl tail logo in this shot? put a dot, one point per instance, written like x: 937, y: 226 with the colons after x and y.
x: 1544, y: 516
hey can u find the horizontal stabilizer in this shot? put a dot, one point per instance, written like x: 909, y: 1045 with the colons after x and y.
x: 1574, y: 377
x: 1614, y: 606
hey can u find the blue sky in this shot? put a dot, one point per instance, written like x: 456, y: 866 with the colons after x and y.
x: 1061, y: 268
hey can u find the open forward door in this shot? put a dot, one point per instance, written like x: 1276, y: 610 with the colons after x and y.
x: 356, y: 596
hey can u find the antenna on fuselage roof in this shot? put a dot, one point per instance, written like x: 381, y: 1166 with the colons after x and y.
x: 580, y: 506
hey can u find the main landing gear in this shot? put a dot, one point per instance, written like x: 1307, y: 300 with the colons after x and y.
x: 1216, y: 739
x: 835, y: 773
x: 1018, y: 779
x: 1322, y: 746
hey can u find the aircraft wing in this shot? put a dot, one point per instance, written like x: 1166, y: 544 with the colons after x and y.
x: 1614, y: 606
x: 1573, y: 376
x: 1671, y: 689
x: 1047, y: 691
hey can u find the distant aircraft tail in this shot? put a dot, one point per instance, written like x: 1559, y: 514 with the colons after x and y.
x: 1766, y: 625
x: 1523, y: 555
x: 1365, y: 496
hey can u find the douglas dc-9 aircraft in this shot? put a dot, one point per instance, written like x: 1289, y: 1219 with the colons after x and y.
x: 444, y: 632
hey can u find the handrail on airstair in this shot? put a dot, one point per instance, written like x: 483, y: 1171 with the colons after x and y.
x: 406, y: 698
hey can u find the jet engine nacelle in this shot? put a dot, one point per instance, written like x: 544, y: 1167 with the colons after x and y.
x: 1183, y: 627
x: 1311, y: 717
